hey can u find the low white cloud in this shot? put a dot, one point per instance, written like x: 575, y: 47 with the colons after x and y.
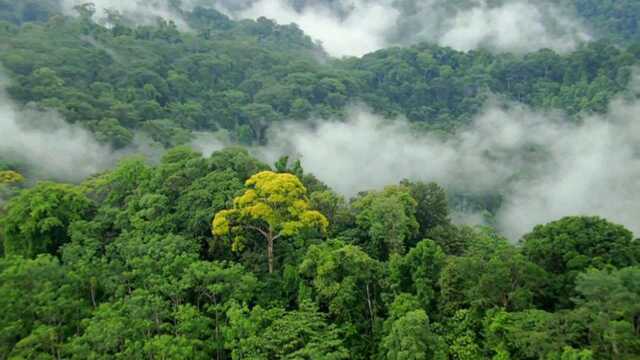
x: 43, y: 140
x: 516, y: 26
x: 361, y: 30
x: 207, y: 142
x: 545, y: 166
x: 593, y: 169
x: 357, y: 27
x: 51, y: 148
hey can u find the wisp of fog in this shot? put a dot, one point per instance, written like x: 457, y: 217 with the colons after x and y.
x: 544, y: 165
x: 49, y: 144
x: 50, y: 148
x: 357, y: 27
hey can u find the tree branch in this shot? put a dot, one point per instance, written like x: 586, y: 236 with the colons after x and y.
x: 264, y: 233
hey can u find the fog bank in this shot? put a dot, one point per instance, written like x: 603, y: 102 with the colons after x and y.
x: 53, y: 149
x: 544, y: 166
x: 357, y: 27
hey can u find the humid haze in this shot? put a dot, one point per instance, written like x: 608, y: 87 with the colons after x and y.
x: 543, y: 164
x: 320, y: 179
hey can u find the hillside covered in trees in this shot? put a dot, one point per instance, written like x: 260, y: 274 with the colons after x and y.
x: 225, y: 255
x: 244, y: 76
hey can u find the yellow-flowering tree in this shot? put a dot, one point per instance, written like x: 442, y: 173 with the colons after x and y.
x: 274, y: 205
x: 10, y: 177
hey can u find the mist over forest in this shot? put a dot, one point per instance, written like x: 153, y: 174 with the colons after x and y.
x: 319, y: 179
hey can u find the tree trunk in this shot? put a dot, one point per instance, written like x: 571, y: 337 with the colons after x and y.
x: 370, y: 307
x: 93, y: 295
x: 270, y: 252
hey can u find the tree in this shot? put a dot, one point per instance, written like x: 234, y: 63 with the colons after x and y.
x: 531, y: 334
x: 454, y: 239
x: 278, y: 334
x: 432, y: 208
x: 461, y: 335
x: 258, y: 117
x: 509, y: 280
x: 206, y: 195
x: 408, y: 337
x: 571, y: 245
x: 85, y: 10
x: 387, y: 218
x: 111, y: 132
x: 156, y: 264
x: 610, y: 301
x: 493, y: 274
x: 238, y: 160
x: 122, y: 327
x: 274, y: 205
x: 8, y: 181
x: 40, y: 305
x: 344, y: 280
x: 37, y: 219
x: 218, y: 287
x: 10, y: 177
x: 408, y: 333
x: 334, y: 207
x: 418, y: 272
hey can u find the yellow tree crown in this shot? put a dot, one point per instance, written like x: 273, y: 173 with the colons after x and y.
x: 10, y: 177
x: 275, y: 204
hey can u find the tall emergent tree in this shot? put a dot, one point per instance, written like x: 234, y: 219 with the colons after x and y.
x: 274, y: 205
x: 10, y: 177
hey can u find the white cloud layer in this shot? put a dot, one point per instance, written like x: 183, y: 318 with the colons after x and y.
x: 545, y: 166
x: 58, y: 149
x: 53, y: 149
x: 360, y: 31
x: 357, y: 27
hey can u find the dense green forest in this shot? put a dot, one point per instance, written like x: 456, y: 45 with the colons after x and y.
x: 227, y: 257
x: 124, y: 265
x: 243, y: 76
x: 617, y: 20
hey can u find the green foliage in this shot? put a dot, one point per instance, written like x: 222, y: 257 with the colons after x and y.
x: 418, y: 272
x: 41, y: 307
x: 493, y: 274
x: 571, y: 245
x: 21, y: 11
x: 532, y: 334
x: 138, y: 274
x: 278, y: 334
x: 125, y: 265
x: 243, y: 76
x: 610, y: 300
x: 274, y: 205
x: 10, y: 177
x: 334, y: 207
x: 407, y: 332
x: 453, y: 239
x: 387, y: 218
x: 408, y: 337
x: 617, y: 20
x: 346, y: 281
x: 37, y: 219
x: 460, y: 335
x: 432, y: 209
